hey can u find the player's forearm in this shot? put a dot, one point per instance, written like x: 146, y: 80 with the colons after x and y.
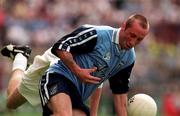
x: 83, y: 74
x: 68, y: 60
x: 120, y: 102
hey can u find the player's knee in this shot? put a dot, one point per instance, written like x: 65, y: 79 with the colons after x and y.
x: 60, y: 114
x: 11, y: 103
x: 14, y: 100
x: 10, y: 106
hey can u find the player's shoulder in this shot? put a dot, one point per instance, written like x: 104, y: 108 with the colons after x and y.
x: 99, y: 27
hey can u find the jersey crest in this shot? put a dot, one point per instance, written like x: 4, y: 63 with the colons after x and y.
x: 107, y: 56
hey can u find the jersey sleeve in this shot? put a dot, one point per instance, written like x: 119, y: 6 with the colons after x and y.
x: 119, y: 83
x: 80, y: 41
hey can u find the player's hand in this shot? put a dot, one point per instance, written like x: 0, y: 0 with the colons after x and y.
x: 85, y: 76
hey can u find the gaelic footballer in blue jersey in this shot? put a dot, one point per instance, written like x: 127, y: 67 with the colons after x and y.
x: 89, y: 56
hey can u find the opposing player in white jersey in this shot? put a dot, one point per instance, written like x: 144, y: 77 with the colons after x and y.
x: 24, y: 84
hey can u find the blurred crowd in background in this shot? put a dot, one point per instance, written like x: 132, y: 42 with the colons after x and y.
x: 40, y: 23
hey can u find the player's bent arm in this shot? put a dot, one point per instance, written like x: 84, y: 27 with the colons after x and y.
x: 67, y: 58
x: 81, y: 41
x: 120, y: 102
x: 94, y: 101
x: 119, y: 85
x: 83, y: 74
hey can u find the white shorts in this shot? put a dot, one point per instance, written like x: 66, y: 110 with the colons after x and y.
x: 29, y: 86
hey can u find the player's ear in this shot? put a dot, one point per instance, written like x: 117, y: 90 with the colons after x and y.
x: 123, y: 27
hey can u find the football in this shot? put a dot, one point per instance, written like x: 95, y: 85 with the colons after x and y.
x: 141, y: 105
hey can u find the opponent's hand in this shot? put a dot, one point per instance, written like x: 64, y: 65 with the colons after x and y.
x: 85, y: 76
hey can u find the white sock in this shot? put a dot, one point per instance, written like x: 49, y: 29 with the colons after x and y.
x: 20, y: 62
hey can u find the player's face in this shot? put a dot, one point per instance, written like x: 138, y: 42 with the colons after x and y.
x: 132, y: 36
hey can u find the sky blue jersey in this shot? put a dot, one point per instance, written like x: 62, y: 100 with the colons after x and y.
x: 93, y: 46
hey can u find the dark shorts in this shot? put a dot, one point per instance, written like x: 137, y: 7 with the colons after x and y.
x: 52, y: 84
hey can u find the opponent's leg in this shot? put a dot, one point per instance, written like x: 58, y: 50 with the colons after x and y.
x: 19, y: 54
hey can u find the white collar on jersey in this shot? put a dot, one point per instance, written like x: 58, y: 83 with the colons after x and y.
x: 116, y: 35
